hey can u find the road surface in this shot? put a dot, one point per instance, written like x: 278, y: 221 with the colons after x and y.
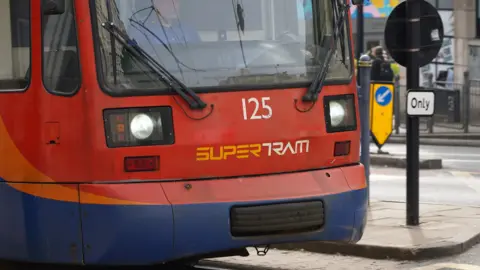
x: 439, y: 186
x: 454, y: 157
x: 458, y: 183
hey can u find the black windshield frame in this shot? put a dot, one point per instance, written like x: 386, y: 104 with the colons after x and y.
x: 133, y: 92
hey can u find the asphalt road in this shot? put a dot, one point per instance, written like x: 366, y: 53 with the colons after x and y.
x: 458, y: 183
x: 453, y: 157
x: 443, y: 187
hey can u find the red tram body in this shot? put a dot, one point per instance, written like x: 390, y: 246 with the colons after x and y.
x: 77, y: 189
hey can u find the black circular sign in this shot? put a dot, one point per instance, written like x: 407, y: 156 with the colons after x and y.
x: 431, y: 34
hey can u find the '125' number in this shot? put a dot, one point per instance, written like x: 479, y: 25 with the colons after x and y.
x: 267, y: 110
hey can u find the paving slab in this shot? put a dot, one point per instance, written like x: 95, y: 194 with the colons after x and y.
x: 445, y: 230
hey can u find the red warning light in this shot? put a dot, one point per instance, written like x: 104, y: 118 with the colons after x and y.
x: 142, y: 164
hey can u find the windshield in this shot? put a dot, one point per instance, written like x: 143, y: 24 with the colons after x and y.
x: 218, y: 43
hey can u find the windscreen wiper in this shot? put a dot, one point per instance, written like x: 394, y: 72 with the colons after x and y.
x: 163, y: 74
x: 343, y: 10
x: 340, y: 11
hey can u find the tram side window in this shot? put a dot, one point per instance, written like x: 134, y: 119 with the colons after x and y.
x: 61, y: 64
x: 14, y: 44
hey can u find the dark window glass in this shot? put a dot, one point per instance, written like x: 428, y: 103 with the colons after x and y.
x: 445, y: 4
x: 61, y: 67
x: 15, y: 45
x: 478, y: 18
x: 434, y: 2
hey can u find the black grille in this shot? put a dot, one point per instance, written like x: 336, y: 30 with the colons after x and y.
x: 276, y: 218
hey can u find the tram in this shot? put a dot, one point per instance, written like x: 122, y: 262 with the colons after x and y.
x: 135, y: 132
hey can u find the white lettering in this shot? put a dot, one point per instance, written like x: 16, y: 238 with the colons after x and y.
x: 281, y: 148
x: 277, y: 148
x: 267, y: 109
x: 269, y: 146
x: 287, y: 147
x: 299, y: 146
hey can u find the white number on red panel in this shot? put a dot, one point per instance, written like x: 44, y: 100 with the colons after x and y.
x: 255, y: 109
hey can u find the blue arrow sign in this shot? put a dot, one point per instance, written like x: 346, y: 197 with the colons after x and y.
x: 383, y: 96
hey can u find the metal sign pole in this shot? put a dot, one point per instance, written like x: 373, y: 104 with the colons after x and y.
x: 364, y: 67
x: 413, y: 134
x: 413, y: 44
x: 360, y: 38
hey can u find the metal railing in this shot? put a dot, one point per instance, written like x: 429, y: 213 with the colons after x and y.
x: 457, y: 108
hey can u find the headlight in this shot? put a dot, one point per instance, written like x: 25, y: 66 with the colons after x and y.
x: 142, y: 126
x: 340, y: 113
x: 337, y: 113
x: 139, y: 126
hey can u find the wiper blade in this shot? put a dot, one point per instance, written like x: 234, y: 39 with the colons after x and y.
x: 342, y: 11
x: 317, y: 84
x: 163, y: 74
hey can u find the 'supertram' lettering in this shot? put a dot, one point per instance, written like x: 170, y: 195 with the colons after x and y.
x: 245, y: 151
x: 281, y: 148
x: 241, y: 151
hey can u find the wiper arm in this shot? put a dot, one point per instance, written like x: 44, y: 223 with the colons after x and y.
x: 317, y: 84
x: 163, y: 74
x: 342, y: 10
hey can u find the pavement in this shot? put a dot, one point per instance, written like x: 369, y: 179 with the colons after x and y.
x: 304, y: 260
x: 445, y: 230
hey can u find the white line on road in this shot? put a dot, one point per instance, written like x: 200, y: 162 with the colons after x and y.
x: 429, y: 153
x: 461, y: 160
x: 451, y: 154
x: 383, y: 177
x: 461, y: 174
x: 465, y: 177
x: 396, y: 178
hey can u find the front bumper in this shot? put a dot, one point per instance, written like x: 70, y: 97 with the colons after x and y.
x: 145, y: 223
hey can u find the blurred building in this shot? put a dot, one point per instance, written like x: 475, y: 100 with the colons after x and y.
x: 445, y: 59
x: 461, y: 44
x: 467, y: 35
x: 375, y: 13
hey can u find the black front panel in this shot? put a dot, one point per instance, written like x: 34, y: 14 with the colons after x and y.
x: 277, y: 218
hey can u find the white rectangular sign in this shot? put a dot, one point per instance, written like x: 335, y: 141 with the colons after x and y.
x: 420, y: 103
